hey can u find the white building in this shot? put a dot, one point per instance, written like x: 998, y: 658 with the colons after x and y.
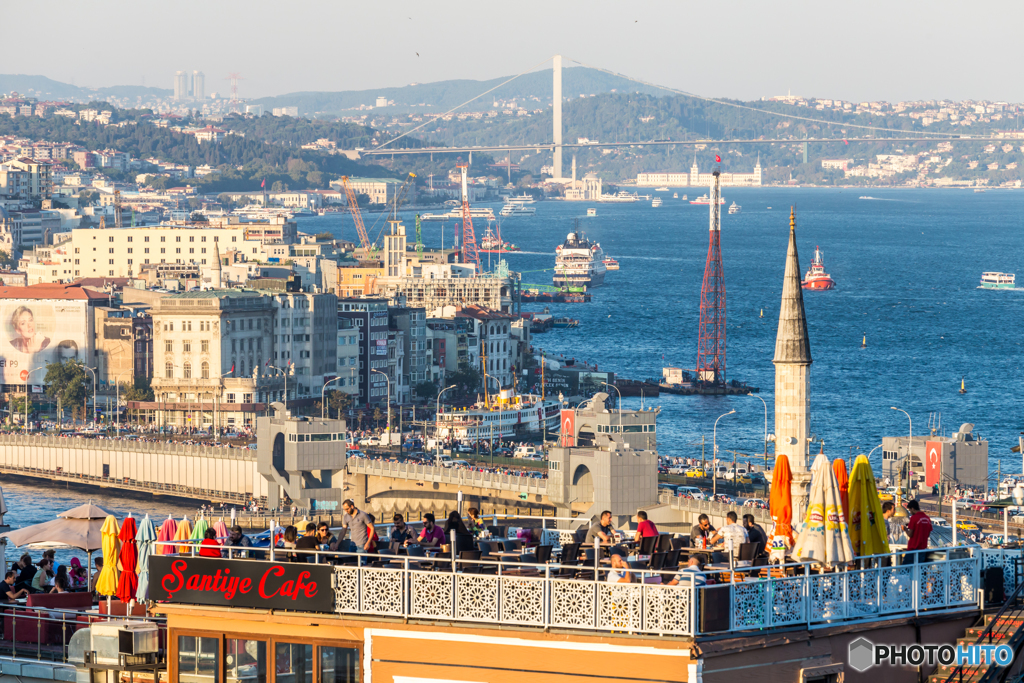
x: 697, y: 179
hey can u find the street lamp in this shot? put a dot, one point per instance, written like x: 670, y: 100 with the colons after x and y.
x: 437, y: 414
x: 899, y: 483
x: 285, y: 374
x: 620, y: 406
x: 714, y: 457
x: 86, y: 367
x: 26, y: 393
x: 117, y: 402
x: 388, y: 402
x: 765, y: 428
x: 323, y: 400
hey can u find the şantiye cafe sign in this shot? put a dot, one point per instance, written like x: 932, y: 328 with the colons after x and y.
x: 241, y: 583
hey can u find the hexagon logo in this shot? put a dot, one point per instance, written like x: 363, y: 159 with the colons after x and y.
x: 862, y: 656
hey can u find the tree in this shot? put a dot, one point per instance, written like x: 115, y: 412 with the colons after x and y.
x: 339, y: 401
x: 425, y: 390
x: 377, y: 416
x: 18, y: 405
x: 140, y: 391
x: 6, y: 260
x: 65, y: 381
x: 466, y: 380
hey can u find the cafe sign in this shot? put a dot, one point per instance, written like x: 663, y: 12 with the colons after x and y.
x: 299, y: 587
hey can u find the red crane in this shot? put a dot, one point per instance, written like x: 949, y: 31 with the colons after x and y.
x: 711, y: 338
x: 469, y: 249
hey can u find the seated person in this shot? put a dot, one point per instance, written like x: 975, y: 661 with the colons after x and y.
x: 401, y: 532
x: 324, y: 537
x: 701, y: 533
x: 61, y: 582
x: 693, y: 569
x: 620, y: 570
x: 731, y: 531
x: 308, y: 541
x: 431, y: 536
x: 209, y: 546
x: 602, y: 531
x: 644, y: 527
x: 42, y: 582
x: 9, y: 592
x: 26, y: 572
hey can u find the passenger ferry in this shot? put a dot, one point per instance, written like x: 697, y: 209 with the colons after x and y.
x: 656, y: 202
x: 622, y: 197
x: 254, y: 213
x: 521, y: 199
x: 816, y: 277
x: 517, y: 209
x: 705, y: 200
x: 507, y: 414
x: 476, y: 213
x: 734, y: 208
x: 994, y: 280
x: 579, y: 262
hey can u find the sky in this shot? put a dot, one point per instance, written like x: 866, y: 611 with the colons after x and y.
x: 852, y: 50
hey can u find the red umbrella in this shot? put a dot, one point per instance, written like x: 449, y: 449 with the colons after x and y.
x: 128, y: 582
x: 839, y: 469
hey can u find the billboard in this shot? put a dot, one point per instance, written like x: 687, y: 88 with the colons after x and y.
x: 932, y: 462
x: 36, y: 332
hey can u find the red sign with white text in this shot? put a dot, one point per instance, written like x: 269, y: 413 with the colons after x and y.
x: 567, y: 438
x: 932, y: 462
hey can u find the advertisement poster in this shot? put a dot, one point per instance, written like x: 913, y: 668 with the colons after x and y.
x: 34, y: 333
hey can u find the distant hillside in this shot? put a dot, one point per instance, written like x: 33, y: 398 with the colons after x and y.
x: 443, y: 95
x: 48, y: 89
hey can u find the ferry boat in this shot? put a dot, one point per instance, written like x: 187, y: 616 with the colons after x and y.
x: 816, y: 277
x: 994, y: 280
x: 476, y: 213
x: 734, y: 208
x: 611, y: 264
x: 621, y: 197
x: 656, y: 202
x: 507, y: 414
x: 579, y: 262
x: 661, y: 189
x: 492, y: 243
x: 254, y: 213
x: 516, y: 209
x: 522, y: 199
x: 591, y: 212
x: 705, y: 200
x: 565, y: 322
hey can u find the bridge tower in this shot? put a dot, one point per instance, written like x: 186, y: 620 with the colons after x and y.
x: 711, y: 336
x: 556, y: 110
x: 469, y: 250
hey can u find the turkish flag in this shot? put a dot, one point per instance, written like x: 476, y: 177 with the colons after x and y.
x: 718, y: 159
x: 567, y: 438
x: 932, y: 462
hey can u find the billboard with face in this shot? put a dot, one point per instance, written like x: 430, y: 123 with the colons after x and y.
x: 36, y: 332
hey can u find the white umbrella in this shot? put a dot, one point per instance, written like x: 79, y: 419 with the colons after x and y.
x: 825, y: 537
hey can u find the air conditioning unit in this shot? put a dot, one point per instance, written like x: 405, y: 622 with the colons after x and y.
x: 123, y: 643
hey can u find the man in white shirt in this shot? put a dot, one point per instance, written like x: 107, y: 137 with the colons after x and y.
x: 619, y: 572
x: 731, y: 531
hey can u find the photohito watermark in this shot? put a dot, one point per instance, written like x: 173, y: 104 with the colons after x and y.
x: 864, y: 654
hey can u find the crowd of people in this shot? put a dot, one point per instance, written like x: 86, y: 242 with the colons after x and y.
x: 26, y: 577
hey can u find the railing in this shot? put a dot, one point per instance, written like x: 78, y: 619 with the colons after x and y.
x: 104, y: 444
x: 451, y: 475
x: 712, y: 508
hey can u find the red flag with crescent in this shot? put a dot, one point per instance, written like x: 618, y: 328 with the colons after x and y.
x: 718, y: 159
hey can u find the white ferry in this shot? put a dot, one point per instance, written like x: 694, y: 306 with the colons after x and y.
x: 622, y: 197
x: 734, y: 208
x: 484, y: 213
x: 506, y: 415
x: 517, y: 209
x: 994, y: 280
x: 656, y: 202
x: 661, y: 189
x: 522, y: 199
x: 254, y: 213
x: 579, y: 262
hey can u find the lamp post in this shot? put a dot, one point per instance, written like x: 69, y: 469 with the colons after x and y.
x: 899, y: 512
x: 620, y: 406
x: 765, y: 427
x: 490, y: 440
x: 388, y: 402
x: 323, y: 400
x: 437, y: 414
x: 285, y: 374
x: 86, y: 367
x: 117, y: 402
x: 26, y: 393
x: 714, y: 456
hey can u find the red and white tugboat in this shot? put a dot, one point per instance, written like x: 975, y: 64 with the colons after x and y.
x: 816, y: 277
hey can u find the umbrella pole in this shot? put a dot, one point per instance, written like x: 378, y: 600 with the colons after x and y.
x: 88, y: 572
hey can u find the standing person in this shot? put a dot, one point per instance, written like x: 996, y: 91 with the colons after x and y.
x: 919, y: 528
x: 644, y: 526
x: 893, y: 530
x: 360, y: 528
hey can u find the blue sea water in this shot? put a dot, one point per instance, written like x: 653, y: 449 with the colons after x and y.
x: 907, y: 264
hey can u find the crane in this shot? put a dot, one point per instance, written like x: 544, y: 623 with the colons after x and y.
x: 353, y: 206
x: 469, y: 250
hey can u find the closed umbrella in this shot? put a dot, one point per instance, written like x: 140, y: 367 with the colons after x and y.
x: 106, y: 584
x: 867, y: 526
x: 221, y: 528
x: 199, y: 530
x: 166, y: 533
x: 144, y: 540
x: 128, y: 581
x: 839, y: 469
x: 781, y: 500
x: 183, y: 533
x: 824, y: 537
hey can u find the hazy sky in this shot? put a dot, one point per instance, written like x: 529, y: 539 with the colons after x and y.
x: 857, y: 50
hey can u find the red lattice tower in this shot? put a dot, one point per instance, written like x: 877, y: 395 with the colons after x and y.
x: 711, y: 338
x: 469, y: 249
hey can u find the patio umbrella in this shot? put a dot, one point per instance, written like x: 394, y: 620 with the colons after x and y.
x: 221, y: 528
x: 69, y: 530
x: 183, y: 533
x: 166, y: 533
x: 144, y: 540
x: 839, y: 469
x: 106, y: 584
x: 128, y: 581
x: 824, y: 537
x: 867, y: 526
x: 781, y: 500
x: 199, y: 530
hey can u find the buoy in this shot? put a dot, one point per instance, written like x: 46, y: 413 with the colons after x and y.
x: 762, y: 312
x: 864, y: 342
x: 963, y: 389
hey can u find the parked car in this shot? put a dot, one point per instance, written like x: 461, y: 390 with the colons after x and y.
x: 459, y: 463
x: 463, y: 448
x: 735, y: 473
x: 939, y: 521
x: 523, y: 451
x: 677, y: 469
x: 696, y: 473
x: 692, y: 492
x: 445, y: 461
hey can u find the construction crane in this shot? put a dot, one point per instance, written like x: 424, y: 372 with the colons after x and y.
x: 469, y: 250
x: 117, y: 209
x: 711, y: 336
x: 419, y: 239
x: 353, y: 206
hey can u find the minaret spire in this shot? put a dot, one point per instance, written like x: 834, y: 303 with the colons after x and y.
x: 792, y: 343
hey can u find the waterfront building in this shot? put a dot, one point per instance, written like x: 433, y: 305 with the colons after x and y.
x: 124, y: 345
x: 369, y: 317
x: 697, y: 179
x: 957, y: 460
x: 379, y: 190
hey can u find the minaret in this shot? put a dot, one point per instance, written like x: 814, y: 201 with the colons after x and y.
x: 793, y: 379
x: 216, y: 281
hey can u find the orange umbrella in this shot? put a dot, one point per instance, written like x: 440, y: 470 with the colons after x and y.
x: 781, y: 501
x: 839, y: 469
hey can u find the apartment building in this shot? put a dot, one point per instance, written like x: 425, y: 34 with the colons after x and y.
x: 348, y: 358
x: 370, y: 319
x: 412, y: 323
x: 498, y: 348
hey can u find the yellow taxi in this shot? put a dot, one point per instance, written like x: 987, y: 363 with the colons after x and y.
x: 967, y: 526
x: 696, y: 473
x: 885, y: 496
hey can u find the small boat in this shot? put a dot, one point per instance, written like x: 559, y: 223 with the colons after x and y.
x: 684, y: 198
x: 591, y: 212
x: 565, y: 322
x: 734, y: 208
x: 706, y: 200
x: 675, y: 195
x: 611, y: 264
x: 661, y: 189
x: 656, y: 202
x: 864, y: 342
x: 978, y: 190
x: 816, y: 277
x: 963, y: 389
x: 994, y: 280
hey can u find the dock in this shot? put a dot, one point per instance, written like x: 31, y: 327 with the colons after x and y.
x: 731, y: 389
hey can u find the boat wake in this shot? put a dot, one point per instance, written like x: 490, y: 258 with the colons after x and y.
x: 880, y: 199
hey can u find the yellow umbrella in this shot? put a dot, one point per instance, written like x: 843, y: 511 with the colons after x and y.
x: 867, y: 527
x: 106, y: 584
x: 183, y: 533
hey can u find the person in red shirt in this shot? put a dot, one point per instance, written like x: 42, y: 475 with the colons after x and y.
x: 919, y: 528
x: 645, y: 527
x: 209, y: 547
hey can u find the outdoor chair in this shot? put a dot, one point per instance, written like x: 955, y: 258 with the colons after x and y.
x: 541, y: 556
x: 681, y: 542
x: 747, y: 552
x: 570, y: 551
x: 657, y: 561
x: 664, y: 543
x: 647, y: 545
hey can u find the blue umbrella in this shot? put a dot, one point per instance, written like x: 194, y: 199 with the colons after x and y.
x: 144, y: 539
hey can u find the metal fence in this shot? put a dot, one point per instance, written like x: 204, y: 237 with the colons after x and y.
x: 449, y: 475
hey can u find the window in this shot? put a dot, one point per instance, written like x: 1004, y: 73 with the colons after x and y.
x: 169, y: 370
x: 204, y: 346
x: 168, y: 346
x: 205, y: 370
x: 245, y: 660
x: 145, y: 239
x: 198, y: 660
x: 186, y: 371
